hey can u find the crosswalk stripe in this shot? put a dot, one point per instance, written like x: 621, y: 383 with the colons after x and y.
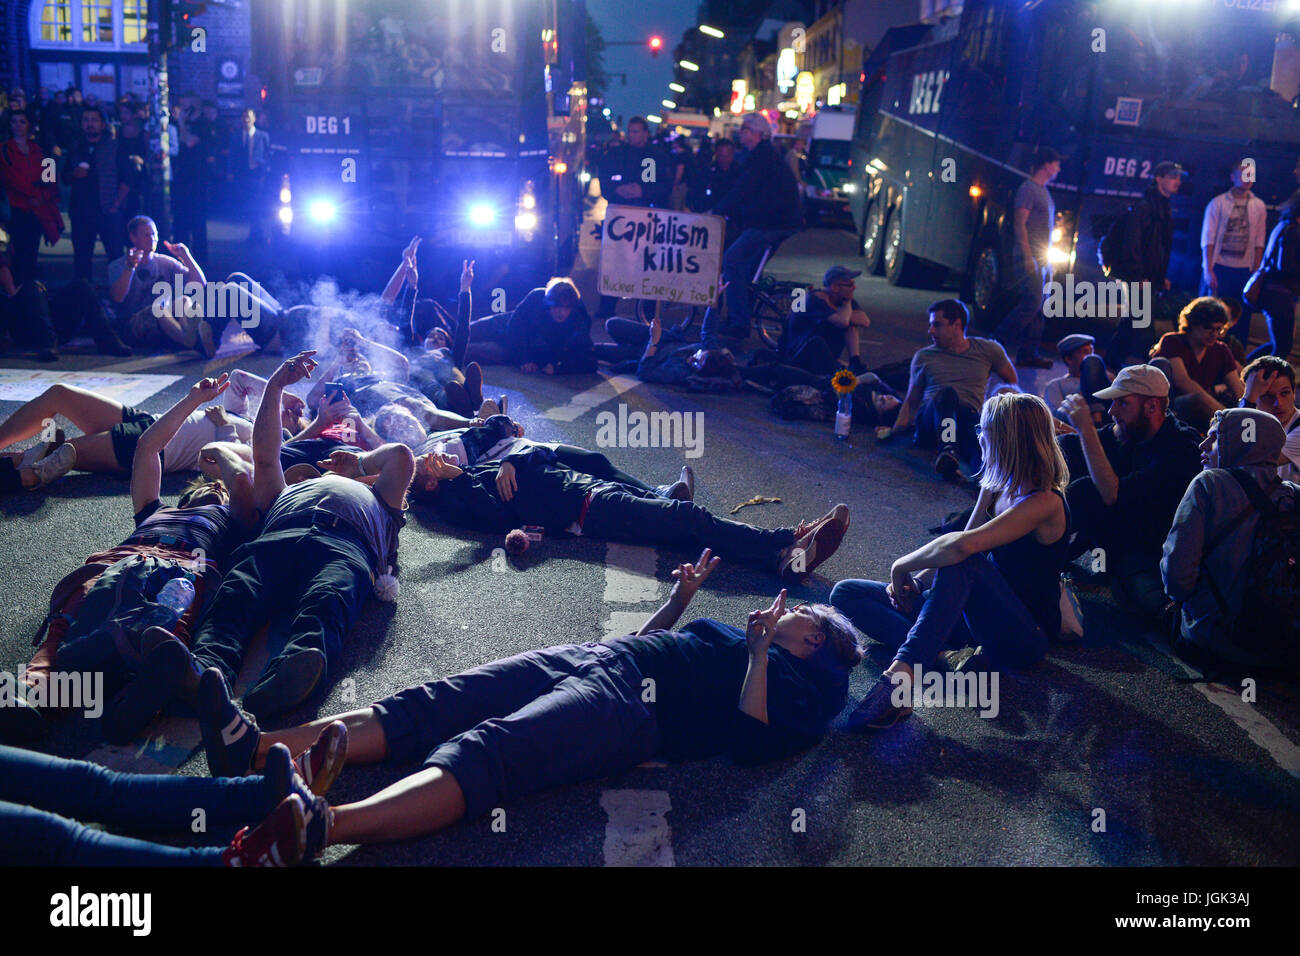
x: 637, y: 833
x: 593, y: 397
x: 1257, y: 727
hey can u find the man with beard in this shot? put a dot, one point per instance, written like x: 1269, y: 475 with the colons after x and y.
x: 1128, y: 481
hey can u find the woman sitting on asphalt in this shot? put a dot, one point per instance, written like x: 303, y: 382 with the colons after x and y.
x: 569, y: 713
x: 996, y: 584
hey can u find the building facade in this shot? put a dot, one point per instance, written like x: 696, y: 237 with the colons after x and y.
x: 101, y: 47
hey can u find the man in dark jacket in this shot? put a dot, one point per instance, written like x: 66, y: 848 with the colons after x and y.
x: 549, y: 332
x: 102, y: 177
x: 1145, y: 246
x: 634, y: 173
x: 766, y: 197
x: 529, y: 486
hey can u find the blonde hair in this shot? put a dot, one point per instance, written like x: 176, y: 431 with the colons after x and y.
x: 1020, y: 452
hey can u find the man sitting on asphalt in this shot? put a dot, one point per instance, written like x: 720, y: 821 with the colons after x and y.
x: 147, y: 322
x: 1200, y: 367
x: 1128, y: 480
x: 946, y: 388
x: 1085, y: 373
x: 1270, y: 387
x: 548, y: 332
x: 323, y: 544
x: 820, y: 337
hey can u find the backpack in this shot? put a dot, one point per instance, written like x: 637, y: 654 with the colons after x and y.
x: 105, y: 635
x: 1268, y: 624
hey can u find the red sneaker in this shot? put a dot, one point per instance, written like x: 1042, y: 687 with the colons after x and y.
x: 276, y: 841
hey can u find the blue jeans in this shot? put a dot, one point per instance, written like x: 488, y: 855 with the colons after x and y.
x: 515, y: 726
x: 972, y: 593
x: 930, y: 426
x: 1279, y: 308
x: 1231, y: 281
x: 39, y: 794
x: 738, y: 264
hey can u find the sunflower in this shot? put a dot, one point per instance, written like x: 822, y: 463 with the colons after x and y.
x: 844, y: 382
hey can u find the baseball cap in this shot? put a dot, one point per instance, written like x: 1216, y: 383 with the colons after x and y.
x: 836, y: 273
x: 1168, y: 168
x: 1072, y: 342
x: 1145, y: 380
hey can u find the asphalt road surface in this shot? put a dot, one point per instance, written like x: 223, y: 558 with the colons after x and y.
x: 1107, y: 752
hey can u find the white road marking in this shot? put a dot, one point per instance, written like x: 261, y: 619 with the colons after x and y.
x: 630, y: 574
x: 593, y: 397
x: 620, y: 623
x: 637, y: 833
x: 1257, y: 727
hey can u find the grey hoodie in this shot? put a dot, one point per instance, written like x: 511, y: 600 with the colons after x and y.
x: 1213, y: 502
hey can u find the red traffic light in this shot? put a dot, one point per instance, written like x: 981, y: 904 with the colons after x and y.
x: 656, y: 44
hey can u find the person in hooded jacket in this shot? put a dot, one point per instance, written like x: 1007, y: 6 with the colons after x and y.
x: 1206, y: 562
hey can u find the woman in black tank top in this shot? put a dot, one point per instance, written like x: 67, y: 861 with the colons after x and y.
x: 996, y: 584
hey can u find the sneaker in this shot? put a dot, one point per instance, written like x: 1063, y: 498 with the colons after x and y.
x: 487, y: 408
x: 877, y: 711
x: 160, y: 676
x: 276, y: 841
x: 55, y: 465
x: 206, y: 343
x: 278, y: 774
x: 188, y: 691
x: 290, y: 681
x: 457, y: 399
x: 819, y: 543
x: 946, y: 465
x: 503, y: 402
x: 319, y: 765
x: 688, y: 479
x: 230, y: 734
x: 474, y: 383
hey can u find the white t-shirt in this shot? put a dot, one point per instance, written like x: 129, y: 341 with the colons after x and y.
x: 182, y: 452
x: 1289, y: 470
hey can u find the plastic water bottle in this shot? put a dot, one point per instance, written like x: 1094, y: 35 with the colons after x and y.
x: 176, y: 596
x: 843, y: 417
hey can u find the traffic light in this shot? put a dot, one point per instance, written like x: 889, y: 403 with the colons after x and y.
x: 656, y: 44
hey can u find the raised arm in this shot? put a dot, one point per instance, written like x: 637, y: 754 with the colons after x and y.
x: 146, y: 469
x: 395, y: 466
x: 236, y: 473
x: 687, y: 580
x: 268, y: 476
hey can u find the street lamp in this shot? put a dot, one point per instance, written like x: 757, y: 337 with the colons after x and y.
x: 654, y: 119
x: 688, y: 65
x: 676, y: 87
x: 669, y: 104
x: 711, y: 31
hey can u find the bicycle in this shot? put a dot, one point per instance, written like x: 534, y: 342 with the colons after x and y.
x: 771, y: 301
